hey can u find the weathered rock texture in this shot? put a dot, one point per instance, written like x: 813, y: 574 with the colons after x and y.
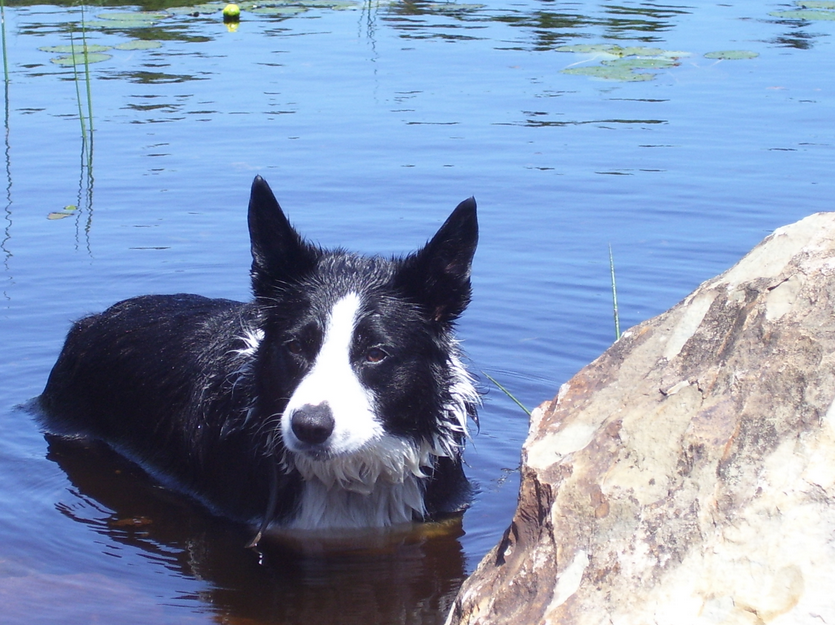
x: 688, y: 474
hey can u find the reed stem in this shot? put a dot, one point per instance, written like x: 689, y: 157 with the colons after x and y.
x: 614, y: 293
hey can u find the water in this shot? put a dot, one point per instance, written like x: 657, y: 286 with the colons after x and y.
x: 371, y: 123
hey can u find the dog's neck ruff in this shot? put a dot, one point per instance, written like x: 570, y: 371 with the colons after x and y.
x: 379, y: 486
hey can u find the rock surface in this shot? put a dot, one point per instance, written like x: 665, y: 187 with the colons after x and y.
x: 687, y: 476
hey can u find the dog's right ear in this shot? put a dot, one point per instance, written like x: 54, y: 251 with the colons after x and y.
x: 279, y: 254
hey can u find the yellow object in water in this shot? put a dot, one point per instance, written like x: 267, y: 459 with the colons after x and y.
x: 231, y: 13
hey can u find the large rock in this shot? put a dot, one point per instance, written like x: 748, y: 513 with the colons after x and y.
x: 688, y: 474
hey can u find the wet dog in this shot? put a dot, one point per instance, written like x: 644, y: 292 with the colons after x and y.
x: 336, y: 398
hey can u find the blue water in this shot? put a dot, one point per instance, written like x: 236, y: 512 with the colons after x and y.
x: 371, y: 123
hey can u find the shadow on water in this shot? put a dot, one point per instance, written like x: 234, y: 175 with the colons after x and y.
x: 408, y: 577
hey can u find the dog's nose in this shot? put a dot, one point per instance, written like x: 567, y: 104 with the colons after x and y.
x: 312, y: 424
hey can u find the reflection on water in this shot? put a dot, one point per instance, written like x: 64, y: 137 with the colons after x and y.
x: 408, y: 577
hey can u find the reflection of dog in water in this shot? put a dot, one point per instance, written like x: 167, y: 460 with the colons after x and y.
x: 335, y: 399
x: 409, y: 577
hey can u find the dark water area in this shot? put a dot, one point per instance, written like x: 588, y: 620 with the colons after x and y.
x: 371, y: 121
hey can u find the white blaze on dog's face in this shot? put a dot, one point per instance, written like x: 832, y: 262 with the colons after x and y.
x: 331, y: 413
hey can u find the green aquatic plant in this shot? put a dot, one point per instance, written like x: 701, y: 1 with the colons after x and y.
x: 614, y: 294
x: 732, y: 55
x: 89, y: 54
x: 810, y: 10
x: 506, y: 392
x: 81, y: 55
x: 621, y: 74
x: 67, y: 211
x: 82, y: 58
x: 139, y: 44
x: 622, y: 63
x: 125, y: 20
x: 5, y: 55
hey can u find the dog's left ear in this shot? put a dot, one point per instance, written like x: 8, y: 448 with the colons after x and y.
x: 279, y: 254
x: 438, y: 275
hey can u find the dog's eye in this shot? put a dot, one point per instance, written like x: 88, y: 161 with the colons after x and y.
x: 295, y: 347
x: 375, y: 355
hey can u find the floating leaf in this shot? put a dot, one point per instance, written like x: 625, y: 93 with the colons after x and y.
x: 140, y: 18
x: 732, y: 55
x: 675, y: 54
x: 80, y: 58
x: 79, y: 49
x: 139, y: 45
x: 452, y: 7
x: 638, y: 51
x: 804, y: 14
x: 207, y: 7
x: 613, y: 50
x: 640, y: 63
x: 124, y: 20
x: 623, y: 74
x: 69, y: 209
x: 620, y: 63
x: 586, y: 48
x: 279, y: 10
x: 321, y: 4
x: 824, y: 4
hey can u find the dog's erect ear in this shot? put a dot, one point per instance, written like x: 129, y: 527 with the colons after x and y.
x: 438, y: 276
x: 279, y: 254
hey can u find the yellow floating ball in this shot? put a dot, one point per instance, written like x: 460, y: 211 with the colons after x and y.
x: 231, y: 13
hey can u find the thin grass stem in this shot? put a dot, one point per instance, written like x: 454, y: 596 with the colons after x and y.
x: 506, y: 392
x: 5, y: 54
x: 87, y: 78
x: 614, y: 294
x: 78, y: 95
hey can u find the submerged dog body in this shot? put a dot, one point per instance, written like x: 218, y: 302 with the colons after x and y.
x: 335, y: 399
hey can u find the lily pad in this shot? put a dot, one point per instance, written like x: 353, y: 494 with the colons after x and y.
x: 121, y: 20
x: 732, y: 55
x: 640, y: 63
x: 68, y: 210
x: 621, y: 63
x: 79, y: 58
x: 326, y: 4
x: 623, y: 74
x: 141, y: 18
x: 279, y: 10
x: 675, y: 54
x: 804, y: 14
x: 69, y: 49
x: 207, y: 7
x: 613, y: 50
x: 139, y: 44
x: 451, y: 7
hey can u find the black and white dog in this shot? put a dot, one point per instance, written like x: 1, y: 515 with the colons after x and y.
x: 335, y: 399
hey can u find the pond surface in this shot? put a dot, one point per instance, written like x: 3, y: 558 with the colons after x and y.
x: 371, y: 121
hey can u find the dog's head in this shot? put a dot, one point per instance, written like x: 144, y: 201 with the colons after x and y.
x: 357, y: 355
